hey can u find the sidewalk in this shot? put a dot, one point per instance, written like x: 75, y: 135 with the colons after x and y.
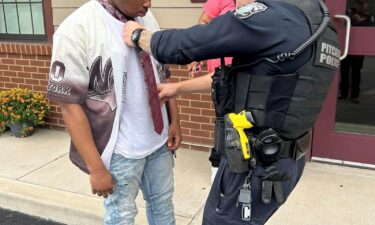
x: 37, y: 178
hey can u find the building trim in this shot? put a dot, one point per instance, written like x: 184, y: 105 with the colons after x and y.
x: 48, y: 20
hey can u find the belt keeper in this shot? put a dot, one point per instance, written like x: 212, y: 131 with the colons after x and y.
x: 295, y: 151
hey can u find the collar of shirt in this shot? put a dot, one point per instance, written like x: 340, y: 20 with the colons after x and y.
x: 113, y: 11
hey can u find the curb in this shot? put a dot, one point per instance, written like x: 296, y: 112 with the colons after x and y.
x: 51, y: 204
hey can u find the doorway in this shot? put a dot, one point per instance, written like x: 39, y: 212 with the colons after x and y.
x: 345, y: 129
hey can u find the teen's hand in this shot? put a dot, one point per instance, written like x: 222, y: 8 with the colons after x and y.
x: 101, y: 182
x: 174, y: 136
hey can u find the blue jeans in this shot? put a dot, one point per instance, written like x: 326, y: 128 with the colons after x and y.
x: 154, y: 176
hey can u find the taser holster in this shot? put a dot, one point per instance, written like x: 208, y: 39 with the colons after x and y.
x: 237, y: 144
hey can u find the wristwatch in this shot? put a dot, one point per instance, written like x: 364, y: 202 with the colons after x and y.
x: 135, y: 36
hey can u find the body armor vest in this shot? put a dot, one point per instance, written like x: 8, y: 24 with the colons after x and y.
x: 288, y: 103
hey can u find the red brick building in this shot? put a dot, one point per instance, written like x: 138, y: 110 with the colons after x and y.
x: 343, y: 132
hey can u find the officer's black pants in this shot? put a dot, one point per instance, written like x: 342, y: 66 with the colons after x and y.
x: 222, y: 210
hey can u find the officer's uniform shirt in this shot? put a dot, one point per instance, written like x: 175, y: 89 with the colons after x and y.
x: 254, y: 31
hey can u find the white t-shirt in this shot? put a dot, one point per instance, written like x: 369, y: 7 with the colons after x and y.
x: 137, y: 137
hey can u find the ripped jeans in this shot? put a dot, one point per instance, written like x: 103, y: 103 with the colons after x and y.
x: 154, y: 176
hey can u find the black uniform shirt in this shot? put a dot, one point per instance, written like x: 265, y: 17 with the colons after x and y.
x: 257, y: 30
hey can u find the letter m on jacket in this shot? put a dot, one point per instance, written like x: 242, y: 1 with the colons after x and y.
x: 101, y: 80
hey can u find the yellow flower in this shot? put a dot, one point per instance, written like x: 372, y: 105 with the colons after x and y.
x: 23, y: 104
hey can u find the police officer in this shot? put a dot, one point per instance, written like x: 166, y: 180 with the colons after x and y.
x: 284, y: 54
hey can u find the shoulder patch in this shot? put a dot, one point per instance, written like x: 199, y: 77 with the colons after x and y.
x: 245, y: 11
x: 328, y: 54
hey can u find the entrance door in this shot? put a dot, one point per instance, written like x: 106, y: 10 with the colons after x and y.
x: 345, y: 129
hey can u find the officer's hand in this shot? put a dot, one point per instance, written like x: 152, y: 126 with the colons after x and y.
x: 129, y: 27
x: 167, y: 91
x: 194, y: 68
x: 101, y: 182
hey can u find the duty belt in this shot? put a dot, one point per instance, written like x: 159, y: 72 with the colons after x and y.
x: 290, y: 149
x: 269, y: 147
x: 266, y: 149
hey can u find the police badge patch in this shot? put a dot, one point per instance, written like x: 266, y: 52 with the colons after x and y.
x: 245, y: 11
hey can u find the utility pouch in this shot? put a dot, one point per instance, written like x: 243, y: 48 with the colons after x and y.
x: 233, y: 151
x: 219, y: 136
x: 267, y: 147
x: 222, y: 97
x: 222, y: 91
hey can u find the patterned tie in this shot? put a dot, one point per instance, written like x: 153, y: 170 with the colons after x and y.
x: 153, y: 98
x: 145, y: 59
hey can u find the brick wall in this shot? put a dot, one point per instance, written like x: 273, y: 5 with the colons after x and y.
x: 24, y: 65
x: 196, y: 114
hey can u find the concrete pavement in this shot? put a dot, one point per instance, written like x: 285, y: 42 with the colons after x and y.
x: 37, y: 178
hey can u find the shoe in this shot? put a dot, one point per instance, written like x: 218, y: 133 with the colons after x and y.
x: 355, y: 100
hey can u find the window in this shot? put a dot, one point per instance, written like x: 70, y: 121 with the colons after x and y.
x: 22, y: 20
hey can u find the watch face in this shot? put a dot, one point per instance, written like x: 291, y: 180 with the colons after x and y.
x: 134, y: 36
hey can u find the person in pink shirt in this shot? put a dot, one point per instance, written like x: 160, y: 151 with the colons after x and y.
x: 212, y: 9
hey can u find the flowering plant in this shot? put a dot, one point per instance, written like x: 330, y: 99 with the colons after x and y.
x: 22, y: 105
x: 3, y: 115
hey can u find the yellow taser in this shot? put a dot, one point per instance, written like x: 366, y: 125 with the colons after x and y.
x: 239, y: 122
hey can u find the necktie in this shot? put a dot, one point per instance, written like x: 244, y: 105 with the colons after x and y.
x: 148, y: 71
x: 153, y: 98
